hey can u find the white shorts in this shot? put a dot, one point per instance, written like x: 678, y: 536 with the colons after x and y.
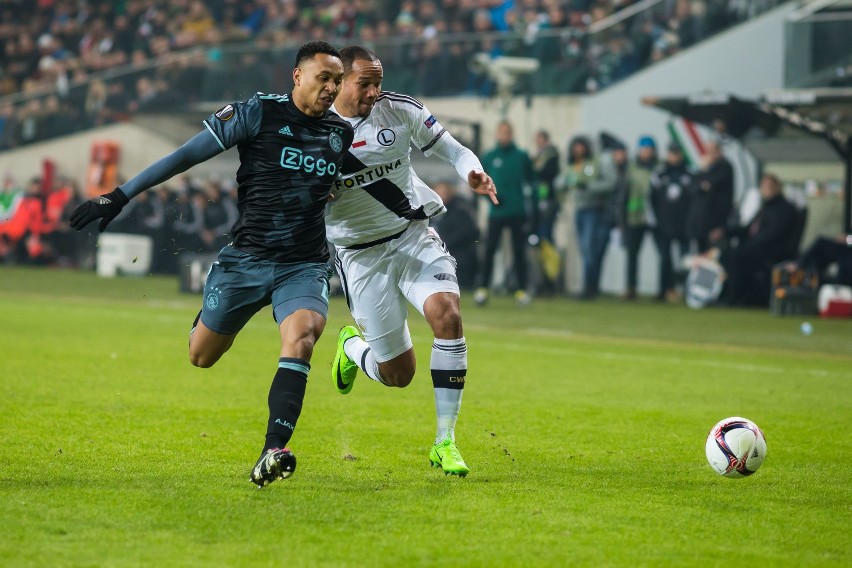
x: 378, y: 280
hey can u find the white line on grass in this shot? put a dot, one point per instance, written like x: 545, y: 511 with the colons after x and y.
x: 655, y: 359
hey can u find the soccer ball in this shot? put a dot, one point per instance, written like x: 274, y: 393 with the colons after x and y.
x: 735, y: 447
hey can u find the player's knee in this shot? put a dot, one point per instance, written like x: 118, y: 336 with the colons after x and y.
x: 446, y: 321
x: 201, y: 359
x: 398, y: 378
x: 301, y: 347
x: 306, y: 346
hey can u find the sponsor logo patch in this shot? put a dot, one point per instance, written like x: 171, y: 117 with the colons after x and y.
x: 294, y: 159
x: 430, y: 122
x: 225, y: 113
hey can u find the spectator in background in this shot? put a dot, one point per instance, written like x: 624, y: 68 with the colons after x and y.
x: 592, y: 185
x: 633, y: 213
x: 190, y: 222
x: 670, y: 187
x: 545, y: 164
x: 711, y: 200
x: 546, y: 172
x: 163, y: 204
x: 20, y: 232
x: 766, y: 241
x: 64, y: 243
x: 511, y: 169
x: 95, y: 103
x: 8, y: 127
x: 220, y: 214
x: 687, y: 22
x: 149, y: 97
x: 460, y: 232
x: 824, y: 252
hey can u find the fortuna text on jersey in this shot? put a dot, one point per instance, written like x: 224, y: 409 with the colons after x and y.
x: 366, y: 176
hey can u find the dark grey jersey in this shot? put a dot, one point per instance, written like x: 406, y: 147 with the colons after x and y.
x: 288, y: 162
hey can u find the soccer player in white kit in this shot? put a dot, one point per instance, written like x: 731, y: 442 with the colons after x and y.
x: 387, y: 255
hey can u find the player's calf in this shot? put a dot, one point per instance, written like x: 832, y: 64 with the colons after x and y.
x: 206, y: 346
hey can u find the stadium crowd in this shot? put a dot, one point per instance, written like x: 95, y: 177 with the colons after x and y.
x: 70, y: 65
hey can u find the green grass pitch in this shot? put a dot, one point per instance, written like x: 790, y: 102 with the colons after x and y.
x: 583, y: 423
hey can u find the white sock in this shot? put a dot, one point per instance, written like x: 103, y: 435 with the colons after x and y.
x: 449, y: 368
x: 358, y: 350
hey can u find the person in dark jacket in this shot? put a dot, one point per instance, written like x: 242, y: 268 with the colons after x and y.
x: 220, y: 214
x: 546, y: 169
x: 632, y: 204
x: 765, y: 242
x: 545, y: 163
x: 459, y: 231
x: 824, y: 252
x: 712, y: 199
x: 670, y: 186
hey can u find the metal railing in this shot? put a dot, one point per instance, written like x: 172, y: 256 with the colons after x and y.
x: 818, y: 45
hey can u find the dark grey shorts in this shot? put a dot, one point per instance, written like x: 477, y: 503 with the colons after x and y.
x: 240, y: 284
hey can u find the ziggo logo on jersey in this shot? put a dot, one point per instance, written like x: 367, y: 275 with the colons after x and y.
x: 293, y: 159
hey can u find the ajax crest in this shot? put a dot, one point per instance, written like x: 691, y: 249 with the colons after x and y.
x: 212, y: 301
x: 335, y: 141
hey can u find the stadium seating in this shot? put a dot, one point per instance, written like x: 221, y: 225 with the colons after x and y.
x: 64, y: 66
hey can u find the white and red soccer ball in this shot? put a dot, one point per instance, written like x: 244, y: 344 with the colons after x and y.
x: 735, y: 447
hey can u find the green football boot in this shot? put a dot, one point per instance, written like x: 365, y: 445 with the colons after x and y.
x: 344, y: 369
x: 446, y: 455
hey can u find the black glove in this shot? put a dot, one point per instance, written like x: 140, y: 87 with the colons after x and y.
x: 105, y: 207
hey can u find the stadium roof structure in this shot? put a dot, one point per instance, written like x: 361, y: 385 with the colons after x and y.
x: 813, y: 125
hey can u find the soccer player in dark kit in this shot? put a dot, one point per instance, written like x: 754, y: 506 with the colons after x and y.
x: 290, y: 148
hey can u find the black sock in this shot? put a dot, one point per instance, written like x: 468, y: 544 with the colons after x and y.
x: 285, y: 401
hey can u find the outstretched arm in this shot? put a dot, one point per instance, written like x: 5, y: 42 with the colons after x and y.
x: 197, y: 149
x: 467, y: 165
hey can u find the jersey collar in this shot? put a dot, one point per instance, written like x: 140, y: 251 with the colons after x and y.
x: 354, y: 121
x: 292, y: 102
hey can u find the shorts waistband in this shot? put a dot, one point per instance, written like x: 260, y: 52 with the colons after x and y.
x: 361, y: 246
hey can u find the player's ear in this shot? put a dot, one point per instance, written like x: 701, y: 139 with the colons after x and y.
x: 297, y: 76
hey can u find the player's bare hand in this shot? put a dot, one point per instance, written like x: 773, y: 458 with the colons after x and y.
x: 482, y: 184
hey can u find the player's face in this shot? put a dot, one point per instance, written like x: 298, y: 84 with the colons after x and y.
x: 317, y: 82
x: 361, y: 87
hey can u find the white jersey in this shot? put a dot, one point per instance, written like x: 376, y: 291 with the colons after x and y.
x: 377, y: 193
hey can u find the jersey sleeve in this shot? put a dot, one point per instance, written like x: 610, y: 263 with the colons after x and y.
x: 235, y: 123
x: 460, y: 157
x: 424, y: 127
